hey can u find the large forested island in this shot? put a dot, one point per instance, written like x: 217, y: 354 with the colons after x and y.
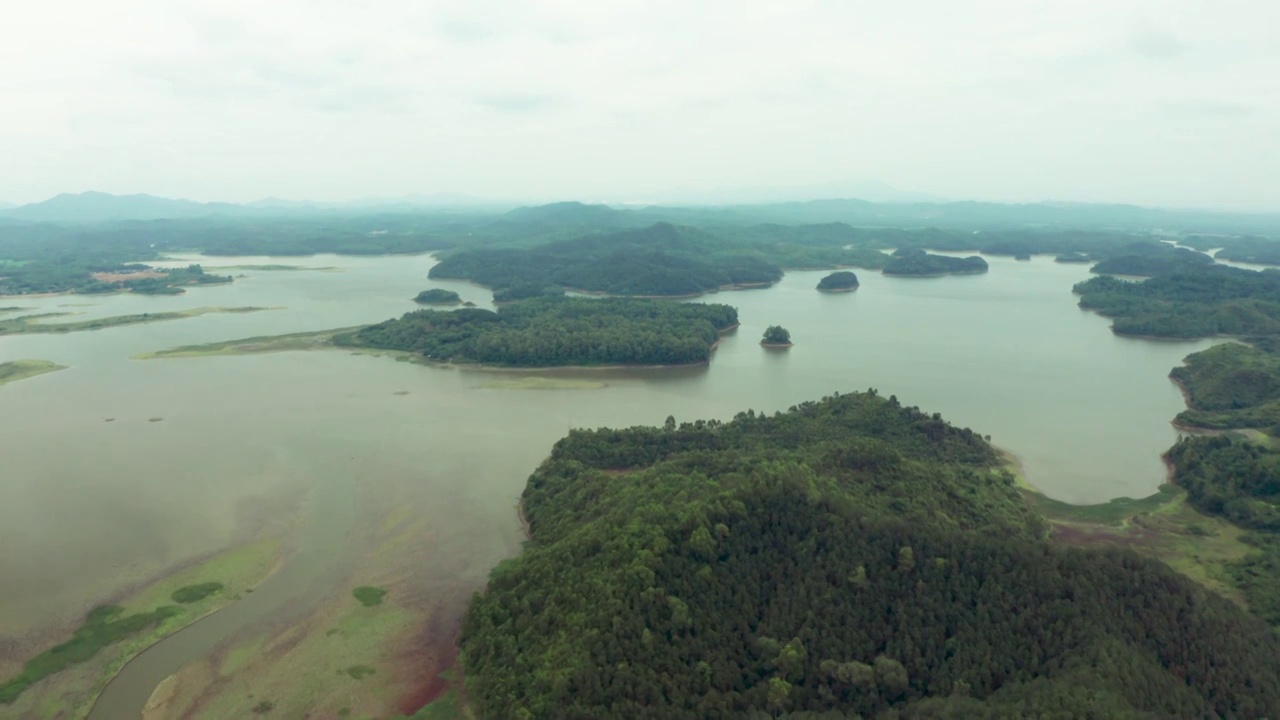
x: 557, y: 331
x: 662, y: 260
x: 1189, y: 300
x: 917, y: 262
x: 852, y: 557
x: 842, y: 281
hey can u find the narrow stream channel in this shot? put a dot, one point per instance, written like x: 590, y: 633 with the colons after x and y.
x: 324, y: 555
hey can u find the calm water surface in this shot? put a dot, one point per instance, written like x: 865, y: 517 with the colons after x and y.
x: 87, y: 506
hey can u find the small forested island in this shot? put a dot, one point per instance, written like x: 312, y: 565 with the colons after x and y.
x: 917, y: 262
x: 1025, y: 257
x: 848, y: 558
x: 556, y: 331
x: 776, y: 336
x: 436, y: 296
x: 1072, y: 257
x: 842, y: 281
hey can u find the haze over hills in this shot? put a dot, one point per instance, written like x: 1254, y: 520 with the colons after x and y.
x: 96, y: 207
x: 93, y: 207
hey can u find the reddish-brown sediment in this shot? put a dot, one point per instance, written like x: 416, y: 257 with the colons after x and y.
x: 433, y: 650
x: 110, y: 277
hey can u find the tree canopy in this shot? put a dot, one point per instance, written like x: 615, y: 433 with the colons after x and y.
x: 850, y: 557
x: 557, y: 331
x: 776, y: 335
x: 841, y: 280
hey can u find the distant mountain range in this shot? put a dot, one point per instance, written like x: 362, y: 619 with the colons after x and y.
x: 94, y: 207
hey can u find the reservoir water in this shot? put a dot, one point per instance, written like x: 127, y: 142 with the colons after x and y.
x: 196, y: 448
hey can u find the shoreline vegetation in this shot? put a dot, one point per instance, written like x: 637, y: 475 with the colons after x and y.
x: 35, y: 324
x: 324, y: 340
x: 112, y: 634
x: 16, y: 370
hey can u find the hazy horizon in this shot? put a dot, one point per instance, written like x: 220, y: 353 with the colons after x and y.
x: 1166, y: 104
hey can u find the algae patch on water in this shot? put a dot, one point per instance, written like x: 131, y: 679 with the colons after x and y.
x: 369, y: 595
x: 105, y: 625
x: 195, y: 593
x: 16, y: 370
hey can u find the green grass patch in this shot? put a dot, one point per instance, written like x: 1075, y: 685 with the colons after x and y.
x: 369, y: 595
x: 16, y: 370
x: 32, y: 324
x: 445, y: 707
x: 1114, y: 513
x: 105, y: 625
x: 249, y: 346
x: 195, y: 593
x: 360, y: 672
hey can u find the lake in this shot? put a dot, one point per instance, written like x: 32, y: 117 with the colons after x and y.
x: 323, y: 447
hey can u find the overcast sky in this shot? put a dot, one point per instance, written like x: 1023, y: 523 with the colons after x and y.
x: 1165, y: 103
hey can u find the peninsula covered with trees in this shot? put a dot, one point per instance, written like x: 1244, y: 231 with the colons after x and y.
x: 841, y: 281
x: 556, y: 331
x: 1188, y: 301
x: 917, y: 262
x: 838, y: 560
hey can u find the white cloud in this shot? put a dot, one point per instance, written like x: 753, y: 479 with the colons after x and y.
x: 1168, y: 103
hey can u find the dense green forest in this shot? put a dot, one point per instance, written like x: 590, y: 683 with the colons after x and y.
x: 1231, y: 386
x: 1190, y: 301
x: 1249, y: 248
x: 557, y: 331
x: 1146, y: 259
x: 37, y: 258
x: 852, y: 557
x: 1240, y: 481
x: 661, y: 260
x: 650, y: 251
x: 1073, y: 257
x: 838, y: 282
x: 914, y: 261
x: 436, y: 296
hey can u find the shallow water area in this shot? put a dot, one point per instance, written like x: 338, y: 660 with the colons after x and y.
x: 89, y: 508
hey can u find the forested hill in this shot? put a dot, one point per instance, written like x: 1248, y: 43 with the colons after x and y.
x: 1189, y: 301
x: 851, y: 557
x: 914, y: 261
x: 557, y: 331
x: 660, y: 260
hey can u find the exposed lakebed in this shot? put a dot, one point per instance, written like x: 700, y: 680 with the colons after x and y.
x: 405, y: 476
